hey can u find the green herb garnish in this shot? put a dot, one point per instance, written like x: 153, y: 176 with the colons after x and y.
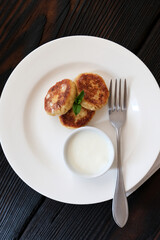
x: 76, y: 108
x: 77, y: 103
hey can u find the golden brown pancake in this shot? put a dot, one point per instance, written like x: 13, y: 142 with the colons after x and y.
x: 95, y: 89
x: 60, y: 97
x: 70, y: 120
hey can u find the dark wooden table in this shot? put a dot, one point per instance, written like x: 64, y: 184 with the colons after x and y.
x: 25, y: 25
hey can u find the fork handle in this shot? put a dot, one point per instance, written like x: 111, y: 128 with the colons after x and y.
x: 119, y: 204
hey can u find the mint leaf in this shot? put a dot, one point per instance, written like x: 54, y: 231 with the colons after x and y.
x: 79, y: 98
x: 77, y: 103
x: 76, y: 108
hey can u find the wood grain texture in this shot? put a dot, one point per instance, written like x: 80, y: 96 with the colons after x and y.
x: 150, y: 52
x: 25, y: 25
x: 18, y: 202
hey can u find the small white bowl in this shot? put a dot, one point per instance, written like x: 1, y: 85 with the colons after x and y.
x: 88, y: 152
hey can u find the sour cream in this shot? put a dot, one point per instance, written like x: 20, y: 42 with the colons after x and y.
x: 89, y: 152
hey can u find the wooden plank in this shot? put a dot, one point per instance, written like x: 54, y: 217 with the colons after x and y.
x: 31, y: 23
x: 126, y: 22
x: 72, y: 221
x: 18, y: 202
x: 150, y: 52
x: 46, y: 215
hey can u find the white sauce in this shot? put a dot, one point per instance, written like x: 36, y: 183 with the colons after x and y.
x: 88, y: 152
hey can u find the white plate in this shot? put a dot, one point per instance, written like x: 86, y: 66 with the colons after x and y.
x: 33, y: 140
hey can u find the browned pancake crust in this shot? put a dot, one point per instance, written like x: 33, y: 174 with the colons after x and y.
x: 71, y: 120
x: 60, y: 97
x: 96, y: 91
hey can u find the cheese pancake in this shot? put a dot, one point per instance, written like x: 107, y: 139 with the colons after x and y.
x: 60, y: 97
x: 96, y: 92
x: 70, y: 120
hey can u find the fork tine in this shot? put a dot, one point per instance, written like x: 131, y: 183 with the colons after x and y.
x: 115, y: 96
x: 120, y: 101
x: 125, y: 94
x: 110, y: 95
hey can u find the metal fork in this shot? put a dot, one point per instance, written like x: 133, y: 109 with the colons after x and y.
x: 117, y: 117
